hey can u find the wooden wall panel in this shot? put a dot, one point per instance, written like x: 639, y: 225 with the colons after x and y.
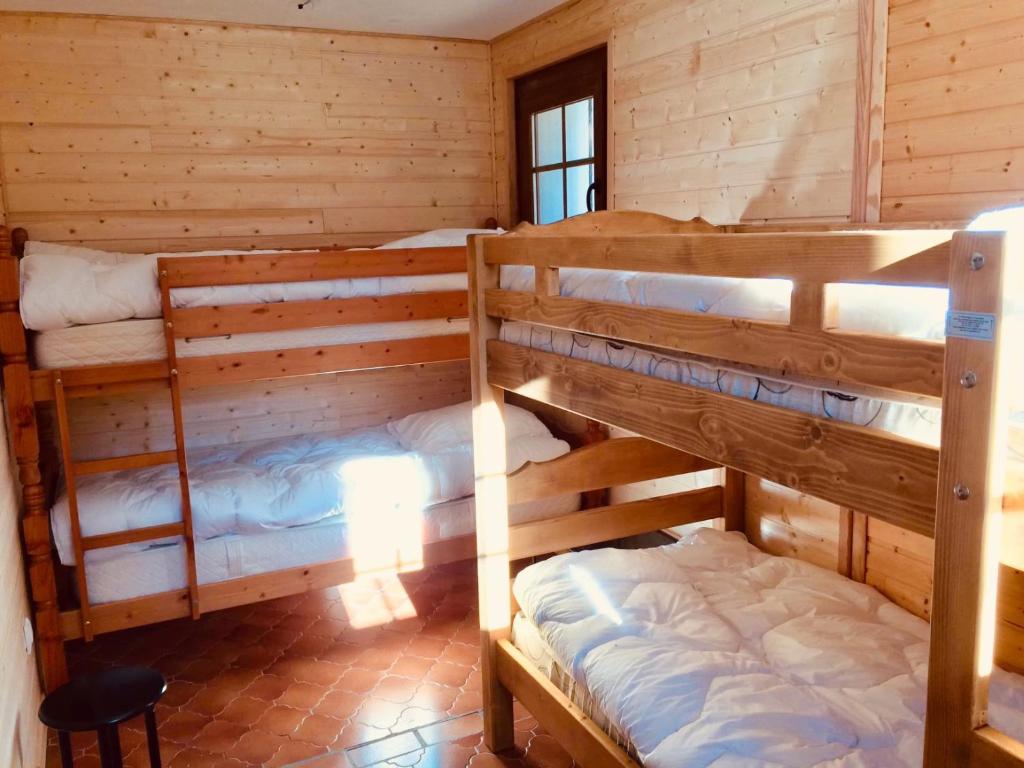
x: 157, y: 135
x: 734, y: 110
x: 125, y: 424
x: 22, y: 736
x: 954, y: 114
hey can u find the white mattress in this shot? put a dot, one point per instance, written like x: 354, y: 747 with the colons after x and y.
x: 134, y: 341
x: 124, y: 573
x: 63, y: 286
x: 918, y: 422
x: 908, y: 312
x: 710, y: 652
x: 249, y: 488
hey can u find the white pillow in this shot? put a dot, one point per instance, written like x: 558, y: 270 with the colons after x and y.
x: 446, y: 428
x: 438, y: 238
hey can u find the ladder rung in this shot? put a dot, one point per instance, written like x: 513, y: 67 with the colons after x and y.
x: 117, y: 463
x: 133, y: 536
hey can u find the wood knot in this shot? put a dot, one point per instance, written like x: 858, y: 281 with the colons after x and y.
x: 816, y: 433
x: 830, y: 362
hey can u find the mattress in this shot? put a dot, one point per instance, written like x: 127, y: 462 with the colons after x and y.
x: 121, y: 573
x: 248, y: 488
x: 710, y: 652
x: 64, y: 286
x: 915, y: 421
x: 135, y: 341
x: 898, y: 311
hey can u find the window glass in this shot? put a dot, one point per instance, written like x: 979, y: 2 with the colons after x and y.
x: 579, y: 130
x: 547, y: 136
x: 548, y: 194
x: 577, y: 179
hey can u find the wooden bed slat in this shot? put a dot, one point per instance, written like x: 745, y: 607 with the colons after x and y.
x: 578, y: 734
x: 894, y: 257
x: 905, y: 365
x: 601, y: 465
x: 865, y: 469
x: 196, y: 322
x: 118, y: 463
x: 94, y: 380
x: 615, y: 521
x: 133, y: 536
x: 212, y: 370
x: 258, y: 268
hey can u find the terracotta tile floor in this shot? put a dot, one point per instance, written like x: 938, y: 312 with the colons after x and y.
x: 382, y: 672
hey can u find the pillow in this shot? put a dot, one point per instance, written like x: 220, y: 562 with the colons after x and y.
x: 438, y: 238
x: 446, y: 428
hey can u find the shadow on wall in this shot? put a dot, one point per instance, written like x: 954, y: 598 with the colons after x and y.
x: 783, y: 184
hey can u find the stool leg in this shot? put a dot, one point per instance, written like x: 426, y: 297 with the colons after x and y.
x: 65, y: 749
x: 110, y: 747
x: 152, y: 740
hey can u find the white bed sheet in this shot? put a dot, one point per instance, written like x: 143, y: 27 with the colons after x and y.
x: 248, y: 488
x: 123, y: 572
x: 135, y: 341
x: 710, y: 652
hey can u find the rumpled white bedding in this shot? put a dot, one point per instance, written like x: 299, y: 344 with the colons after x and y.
x: 62, y: 285
x: 251, y: 487
x: 708, y: 652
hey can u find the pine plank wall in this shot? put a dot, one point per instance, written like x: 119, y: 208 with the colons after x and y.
x: 153, y: 135
x: 147, y: 135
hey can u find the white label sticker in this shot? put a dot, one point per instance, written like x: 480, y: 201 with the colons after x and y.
x: 971, y: 325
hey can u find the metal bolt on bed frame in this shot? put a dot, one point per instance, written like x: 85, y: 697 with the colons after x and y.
x: 961, y: 491
x: 969, y: 380
x: 977, y: 261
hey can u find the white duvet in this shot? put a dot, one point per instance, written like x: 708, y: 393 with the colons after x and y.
x: 247, y: 488
x: 63, y: 286
x: 709, y: 652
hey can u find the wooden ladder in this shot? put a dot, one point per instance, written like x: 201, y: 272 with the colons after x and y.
x: 75, y: 469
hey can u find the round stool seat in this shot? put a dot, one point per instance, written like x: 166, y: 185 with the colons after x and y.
x: 101, y: 701
x: 105, y: 698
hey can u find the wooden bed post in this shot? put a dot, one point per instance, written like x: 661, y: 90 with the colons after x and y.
x: 734, y: 500
x: 21, y: 412
x: 492, y: 519
x: 982, y: 374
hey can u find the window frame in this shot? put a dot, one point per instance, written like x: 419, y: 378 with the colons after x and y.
x: 567, y: 82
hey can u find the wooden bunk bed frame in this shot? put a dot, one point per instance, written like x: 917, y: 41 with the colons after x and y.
x: 25, y: 388
x: 956, y: 493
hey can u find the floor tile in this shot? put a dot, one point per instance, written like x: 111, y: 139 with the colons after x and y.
x: 298, y: 681
x: 377, y: 751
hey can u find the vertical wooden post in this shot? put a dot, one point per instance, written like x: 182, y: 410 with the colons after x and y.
x: 734, y: 500
x: 853, y: 544
x: 492, y: 520
x: 35, y: 522
x: 982, y: 370
x: 872, y: 48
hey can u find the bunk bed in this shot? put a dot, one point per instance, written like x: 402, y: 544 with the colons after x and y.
x: 708, y: 651
x: 163, y: 534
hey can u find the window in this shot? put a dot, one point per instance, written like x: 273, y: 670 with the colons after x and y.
x: 561, y: 139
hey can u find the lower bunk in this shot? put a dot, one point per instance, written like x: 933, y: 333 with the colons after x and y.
x: 709, y: 652
x: 281, y: 516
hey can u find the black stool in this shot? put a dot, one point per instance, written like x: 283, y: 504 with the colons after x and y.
x: 100, y: 703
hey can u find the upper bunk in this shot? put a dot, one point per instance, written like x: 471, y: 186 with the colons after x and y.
x: 110, y: 322
x: 834, y: 337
